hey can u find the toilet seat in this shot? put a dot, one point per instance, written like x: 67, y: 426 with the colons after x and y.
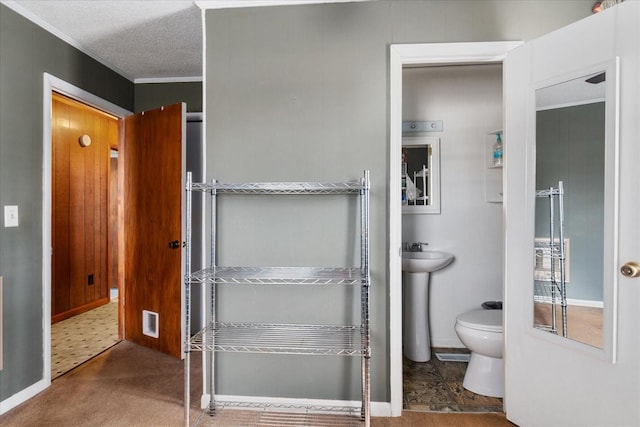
x: 482, y: 320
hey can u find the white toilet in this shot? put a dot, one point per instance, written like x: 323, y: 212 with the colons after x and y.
x: 481, y: 332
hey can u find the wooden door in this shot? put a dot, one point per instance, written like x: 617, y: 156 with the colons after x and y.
x: 152, y: 159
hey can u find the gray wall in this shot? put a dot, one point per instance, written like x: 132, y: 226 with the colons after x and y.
x: 153, y: 95
x: 301, y: 93
x: 26, y: 51
x: 570, y: 148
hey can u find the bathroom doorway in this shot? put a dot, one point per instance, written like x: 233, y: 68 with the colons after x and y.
x: 402, y: 57
x: 467, y: 100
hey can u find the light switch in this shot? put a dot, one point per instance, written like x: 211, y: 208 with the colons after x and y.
x: 10, y: 216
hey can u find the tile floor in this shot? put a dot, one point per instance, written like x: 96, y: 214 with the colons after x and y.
x: 437, y: 386
x: 79, y: 338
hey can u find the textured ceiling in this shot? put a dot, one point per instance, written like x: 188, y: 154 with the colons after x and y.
x: 144, y: 40
x: 141, y: 39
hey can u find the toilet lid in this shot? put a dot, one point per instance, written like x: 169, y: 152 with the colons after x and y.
x: 485, y: 320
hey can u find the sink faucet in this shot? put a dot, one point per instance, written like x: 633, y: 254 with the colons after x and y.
x: 417, y: 246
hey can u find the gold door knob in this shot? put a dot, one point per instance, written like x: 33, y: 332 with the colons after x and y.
x: 630, y: 269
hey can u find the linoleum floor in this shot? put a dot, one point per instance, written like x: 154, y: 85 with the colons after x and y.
x: 436, y: 386
x: 80, y: 338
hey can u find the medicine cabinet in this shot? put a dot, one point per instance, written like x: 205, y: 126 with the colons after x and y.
x: 420, y: 175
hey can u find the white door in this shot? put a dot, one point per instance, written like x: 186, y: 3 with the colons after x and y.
x: 551, y: 380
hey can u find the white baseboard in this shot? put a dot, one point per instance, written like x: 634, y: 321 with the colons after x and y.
x: 585, y: 303
x: 381, y: 409
x: 204, y: 400
x: 445, y: 342
x: 23, y: 395
x: 378, y: 409
x: 574, y: 302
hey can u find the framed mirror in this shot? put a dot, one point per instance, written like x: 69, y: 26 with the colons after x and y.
x: 575, y: 207
x: 420, y: 175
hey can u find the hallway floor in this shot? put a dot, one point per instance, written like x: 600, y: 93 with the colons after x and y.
x: 79, y: 338
x: 129, y: 385
x: 436, y: 386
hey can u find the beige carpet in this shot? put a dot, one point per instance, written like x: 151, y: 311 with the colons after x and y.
x: 129, y: 385
x: 79, y: 338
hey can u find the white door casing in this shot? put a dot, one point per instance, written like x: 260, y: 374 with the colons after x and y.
x: 429, y: 54
x: 50, y: 84
x: 550, y: 380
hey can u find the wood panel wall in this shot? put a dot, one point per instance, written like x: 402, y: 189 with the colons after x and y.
x: 80, y: 207
x: 113, y: 223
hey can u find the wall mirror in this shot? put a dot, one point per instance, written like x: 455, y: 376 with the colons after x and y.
x: 575, y: 207
x: 420, y: 175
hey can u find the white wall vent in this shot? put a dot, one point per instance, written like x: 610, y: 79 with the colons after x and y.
x: 150, y: 324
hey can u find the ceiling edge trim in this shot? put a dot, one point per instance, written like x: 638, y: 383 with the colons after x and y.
x: 227, y: 4
x: 143, y: 80
x: 59, y: 34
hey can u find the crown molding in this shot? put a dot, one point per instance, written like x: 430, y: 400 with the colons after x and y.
x: 59, y: 34
x: 227, y: 4
x: 144, y: 80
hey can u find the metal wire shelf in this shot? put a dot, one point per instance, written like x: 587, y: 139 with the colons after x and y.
x: 244, y: 414
x: 293, y: 188
x: 550, y: 274
x: 544, y: 248
x: 545, y: 291
x: 279, y: 276
x: 280, y: 339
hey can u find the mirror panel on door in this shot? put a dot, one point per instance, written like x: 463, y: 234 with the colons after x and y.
x: 575, y: 206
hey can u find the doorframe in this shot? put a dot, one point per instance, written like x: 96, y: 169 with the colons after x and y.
x: 428, y: 54
x: 52, y: 83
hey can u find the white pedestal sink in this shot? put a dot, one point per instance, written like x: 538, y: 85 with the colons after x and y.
x: 417, y: 266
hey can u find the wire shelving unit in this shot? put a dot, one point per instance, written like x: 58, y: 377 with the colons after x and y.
x: 275, y: 338
x: 550, y: 256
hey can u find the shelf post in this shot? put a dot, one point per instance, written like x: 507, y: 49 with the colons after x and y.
x: 187, y: 303
x: 364, y: 290
x: 214, y: 236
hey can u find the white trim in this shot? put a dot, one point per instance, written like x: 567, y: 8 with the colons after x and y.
x: 573, y: 302
x: 378, y: 409
x: 59, y: 34
x: 571, y: 104
x: 453, y: 53
x: 23, y: 395
x: 81, y: 95
x: 402, y: 55
x: 446, y: 342
x: 226, y: 4
x: 50, y: 84
x: 146, y: 80
x: 194, y: 117
x: 203, y: 252
x: 395, y: 231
